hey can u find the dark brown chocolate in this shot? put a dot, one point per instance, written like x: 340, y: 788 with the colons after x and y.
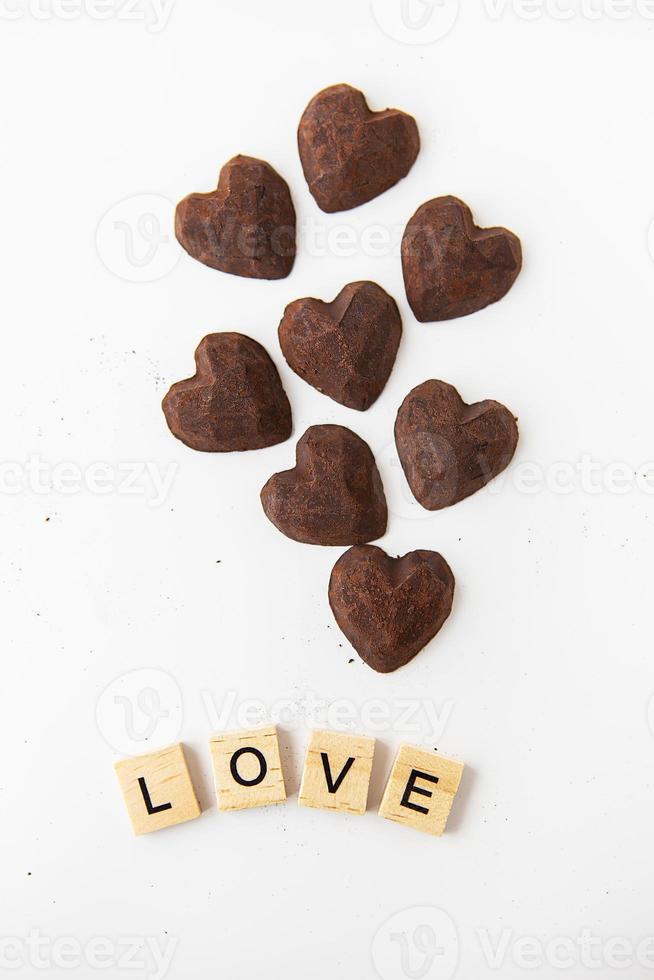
x: 333, y: 496
x: 234, y: 401
x: 390, y: 608
x: 345, y: 348
x: 246, y: 226
x: 448, y: 449
x: 349, y: 154
x: 451, y: 267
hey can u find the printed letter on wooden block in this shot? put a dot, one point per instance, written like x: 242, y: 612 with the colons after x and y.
x: 337, y: 772
x: 421, y: 789
x: 247, y: 769
x: 158, y: 790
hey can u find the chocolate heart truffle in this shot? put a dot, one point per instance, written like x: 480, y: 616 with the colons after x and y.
x: 234, y: 401
x: 345, y: 348
x: 390, y: 608
x: 349, y: 154
x: 451, y: 267
x: 448, y: 449
x: 246, y: 226
x: 333, y: 496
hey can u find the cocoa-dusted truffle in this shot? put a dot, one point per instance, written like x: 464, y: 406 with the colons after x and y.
x: 333, y: 496
x: 246, y: 226
x: 390, y: 608
x: 448, y: 449
x: 451, y: 267
x: 234, y: 401
x: 345, y: 348
x: 349, y: 154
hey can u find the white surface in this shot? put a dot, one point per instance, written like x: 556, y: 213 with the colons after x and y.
x: 543, y: 674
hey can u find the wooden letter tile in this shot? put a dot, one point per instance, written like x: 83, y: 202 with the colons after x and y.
x: 158, y: 790
x: 247, y: 769
x: 337, y: 772
x: 421, y: 789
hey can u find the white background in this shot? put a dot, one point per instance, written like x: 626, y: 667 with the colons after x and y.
x: 543, y: 674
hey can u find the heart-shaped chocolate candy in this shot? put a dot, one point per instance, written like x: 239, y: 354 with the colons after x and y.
x: 246, y: 226
x: 333, y: 496
x: 390, y: 608
x: 451, y: 267
x: 234, y: 401
x: 349, y: 154
x: 345, y: 348
x: 448, y: 449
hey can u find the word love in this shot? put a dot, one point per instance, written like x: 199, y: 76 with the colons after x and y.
x: 248, y: 772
